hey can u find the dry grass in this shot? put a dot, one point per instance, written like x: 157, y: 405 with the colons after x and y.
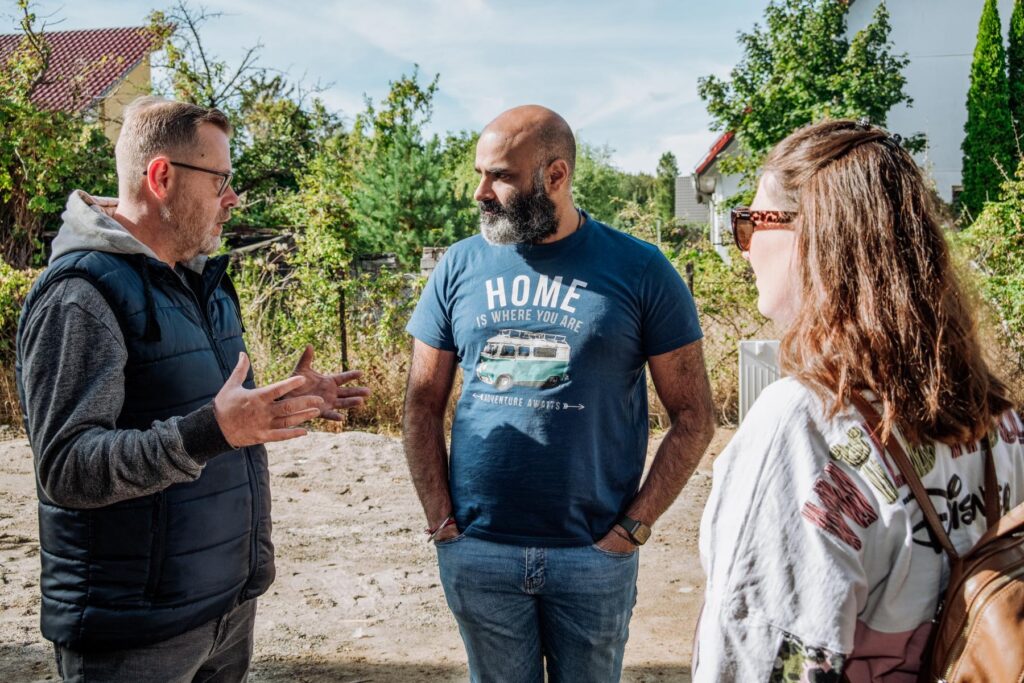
x: 10, y: 406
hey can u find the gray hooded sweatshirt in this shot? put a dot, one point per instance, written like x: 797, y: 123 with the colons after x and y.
x: 73, y: 358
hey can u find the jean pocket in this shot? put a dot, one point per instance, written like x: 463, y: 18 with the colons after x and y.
x: 450, y: 541
x: 613, y: 553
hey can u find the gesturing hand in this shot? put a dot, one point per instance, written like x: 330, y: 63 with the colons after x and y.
x: 328, y: 387
x: 252, y: 416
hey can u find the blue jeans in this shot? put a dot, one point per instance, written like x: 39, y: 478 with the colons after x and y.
x: 517, y: 606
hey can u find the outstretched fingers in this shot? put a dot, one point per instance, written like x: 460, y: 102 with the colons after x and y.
x: 347, y: 376
x: 306, y: 359
x: 293, y: 419
x: 278, y: 389
x: 297, y: 404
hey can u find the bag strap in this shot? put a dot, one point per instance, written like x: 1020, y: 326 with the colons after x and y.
x: 899, y: 456
x: 991, y: 486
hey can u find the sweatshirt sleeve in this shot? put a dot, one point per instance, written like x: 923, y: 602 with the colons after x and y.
x: 783, y: 592
x: 73, y: 358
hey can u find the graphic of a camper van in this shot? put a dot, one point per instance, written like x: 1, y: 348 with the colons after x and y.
x: 516, y: 357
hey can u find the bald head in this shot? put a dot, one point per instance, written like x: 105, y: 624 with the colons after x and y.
x: 538, y: 131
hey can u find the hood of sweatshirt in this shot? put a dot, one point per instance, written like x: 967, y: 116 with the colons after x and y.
x: 89, y: 225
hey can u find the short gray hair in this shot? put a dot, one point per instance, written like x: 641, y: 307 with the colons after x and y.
x: 154, y: 125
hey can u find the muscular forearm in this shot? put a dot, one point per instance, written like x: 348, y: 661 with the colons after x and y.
x: 677, y: 457
x: 427, y: 455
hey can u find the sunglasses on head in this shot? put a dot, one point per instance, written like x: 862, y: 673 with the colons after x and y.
x: 746, y: 222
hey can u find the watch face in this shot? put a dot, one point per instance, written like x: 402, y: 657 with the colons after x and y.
x: 641, y: 533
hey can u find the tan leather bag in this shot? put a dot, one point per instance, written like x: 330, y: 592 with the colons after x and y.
x: 978, y: 634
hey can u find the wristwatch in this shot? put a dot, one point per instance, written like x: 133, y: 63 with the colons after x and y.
x: 637, y: 530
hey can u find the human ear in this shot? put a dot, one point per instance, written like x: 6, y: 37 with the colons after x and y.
x: 158, y: 177
x: 557, y: 175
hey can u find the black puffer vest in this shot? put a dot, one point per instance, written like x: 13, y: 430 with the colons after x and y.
x: 144, y: 570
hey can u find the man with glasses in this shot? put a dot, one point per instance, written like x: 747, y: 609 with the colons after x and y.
x: 145, y: 422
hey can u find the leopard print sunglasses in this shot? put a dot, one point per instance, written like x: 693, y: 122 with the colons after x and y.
x: 746, y: 222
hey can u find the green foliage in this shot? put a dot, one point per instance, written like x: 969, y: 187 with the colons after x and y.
x: 726, y: 300
x: 665, y: 186
x: 1015, y: 69
x: 278, y: 127
x: 725, y: 294
x: 602, y: 189
x: 459, y: 163
x: 14, y: 287
x: 290, y: 298
x: 989, y: 145
x: 800, y: 68
x: 43, y: 154
x: 596, y: 183
x: 404, y: 198
x: 994, y: 245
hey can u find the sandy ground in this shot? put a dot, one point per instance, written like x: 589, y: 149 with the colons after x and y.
x: 357, y: 596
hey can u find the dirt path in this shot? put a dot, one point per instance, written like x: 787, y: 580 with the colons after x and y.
x: 357, y: 596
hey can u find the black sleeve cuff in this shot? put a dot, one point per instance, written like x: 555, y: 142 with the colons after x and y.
x: 201, y: 435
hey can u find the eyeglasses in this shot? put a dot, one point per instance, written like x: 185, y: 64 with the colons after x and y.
x: 746, y: 222
x: 225, y: 176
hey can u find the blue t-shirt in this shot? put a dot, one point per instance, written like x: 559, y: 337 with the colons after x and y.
x: 550, y: 431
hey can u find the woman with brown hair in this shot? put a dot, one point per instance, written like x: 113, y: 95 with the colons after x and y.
x: 819, y: 563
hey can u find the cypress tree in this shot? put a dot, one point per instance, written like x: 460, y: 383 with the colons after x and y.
x: 1015, y: 70
x: 989, y: 145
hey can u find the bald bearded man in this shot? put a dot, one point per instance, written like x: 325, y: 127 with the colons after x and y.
x: 553, y: 317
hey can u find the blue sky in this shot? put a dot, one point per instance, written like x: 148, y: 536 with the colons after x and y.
x: 622, y: 72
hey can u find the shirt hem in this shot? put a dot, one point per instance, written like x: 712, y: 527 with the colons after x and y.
x: 528, y: 541
x: 431, y: 341
x: 673, y: 345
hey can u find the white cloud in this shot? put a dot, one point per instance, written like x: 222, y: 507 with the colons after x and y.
x: 622, y: 74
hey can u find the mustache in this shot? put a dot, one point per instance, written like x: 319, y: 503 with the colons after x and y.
x: 491, y: 206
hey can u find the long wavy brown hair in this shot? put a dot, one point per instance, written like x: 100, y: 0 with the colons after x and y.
x: 882, y: 308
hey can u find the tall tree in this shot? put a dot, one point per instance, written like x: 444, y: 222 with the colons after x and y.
x: 800, y: 68
x: 1015, y: 70
x: 279, y: 126
x: 404, y: 197
x: 989, y: 145
x: 665, y: 188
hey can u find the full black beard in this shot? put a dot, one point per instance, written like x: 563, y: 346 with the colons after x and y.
x: 528, y: 218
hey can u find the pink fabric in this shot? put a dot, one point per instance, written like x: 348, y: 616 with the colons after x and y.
x: 888, y: 657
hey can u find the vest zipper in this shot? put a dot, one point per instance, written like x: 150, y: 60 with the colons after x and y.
x: 225, y: 370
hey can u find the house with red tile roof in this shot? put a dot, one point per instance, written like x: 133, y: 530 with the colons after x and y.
x: 97, y: 71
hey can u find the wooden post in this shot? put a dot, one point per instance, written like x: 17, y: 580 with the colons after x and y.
x: 344, y: 330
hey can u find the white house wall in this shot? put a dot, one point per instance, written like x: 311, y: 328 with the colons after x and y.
x: 938, y: 37
x: 687, y: 208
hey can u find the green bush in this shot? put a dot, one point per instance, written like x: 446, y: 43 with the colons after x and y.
x: 290, y: 300
x: 14, y: 287
x: 993, y: 247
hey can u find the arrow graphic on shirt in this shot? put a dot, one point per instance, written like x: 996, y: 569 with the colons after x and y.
x: 566, y: 406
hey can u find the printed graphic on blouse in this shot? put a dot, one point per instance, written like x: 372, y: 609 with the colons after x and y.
x: 798, y: 663
x: 860, y: 574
